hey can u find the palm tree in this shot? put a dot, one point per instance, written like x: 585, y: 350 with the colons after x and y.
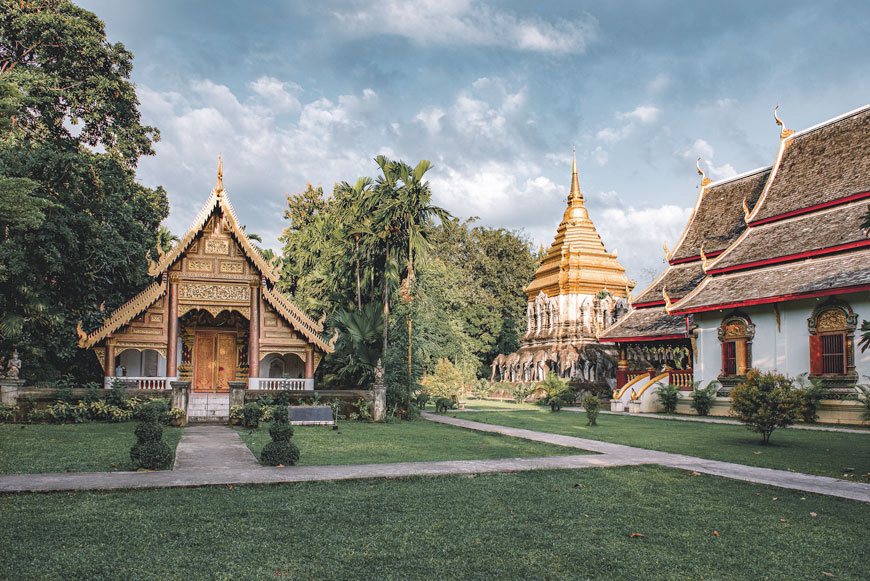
x: 352, y: 202
x: 165, y: 239
x: 387, y: 225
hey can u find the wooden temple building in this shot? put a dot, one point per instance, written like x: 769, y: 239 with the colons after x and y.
x: 578, y: 290
x: 772, y: 272
x: 212, y: 315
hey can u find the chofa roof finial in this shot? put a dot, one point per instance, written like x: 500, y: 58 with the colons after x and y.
x: 704, y: 179
x: 785, y: 132
x: 219, y: 188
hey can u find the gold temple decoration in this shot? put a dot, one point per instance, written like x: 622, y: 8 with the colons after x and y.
x: 667, y: 252
x: 746, y: 211
x: 776, y: 314
x: 577, y: 261
x: 703, y: 258
x: 129, y: 310
x: 219, y: 188
x: 785, y: 132
x: 667, y: 300
x: 704, y: 179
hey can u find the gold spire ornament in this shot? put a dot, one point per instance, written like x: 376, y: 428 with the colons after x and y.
x: 219, y: 188
x: 575, y: 182
x: 667, y: 252
x: 785, y: 132
x: 667, y: 300
x: 704, y: 179
x: 746, y: 212
x: 703, y: 258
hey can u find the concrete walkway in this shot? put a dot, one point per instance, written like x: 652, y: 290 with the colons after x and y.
x: 216, y: 455
x: 782, y: 478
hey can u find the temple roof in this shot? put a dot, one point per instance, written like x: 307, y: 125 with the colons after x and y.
x: 718, y: 218
x: 824, y: 275
x: 819, y: 165
x: 123, y: 314
x: 648, y: 323
x: 678, y: 279
x: 577, y: 261
x: 792, y: 238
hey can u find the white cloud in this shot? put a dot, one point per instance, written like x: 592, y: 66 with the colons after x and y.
x: 467, y: 23
x: 430, y: 119
x: 644, y: 114
x: 600, y: 156
x: 611, y: 135
x: 706, y: 151
x: 659, y: 83
x: 277, y: 95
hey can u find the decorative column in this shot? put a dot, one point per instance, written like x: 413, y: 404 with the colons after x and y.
x: 254, y: 331
x: 621, y: 368
x: 309, y: 362
x: 172, y: 331
x: 110, y: 358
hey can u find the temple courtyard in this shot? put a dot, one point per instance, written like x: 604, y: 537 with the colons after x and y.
x: 511, y: 491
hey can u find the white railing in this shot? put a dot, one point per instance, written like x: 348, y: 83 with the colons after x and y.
x: 278, y: 383
x: 143, y: 382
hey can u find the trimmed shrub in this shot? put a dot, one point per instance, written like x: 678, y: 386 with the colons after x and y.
x: 703, y: 399
x: 280, y: 451
x: 442, y: 404
x: 156, y: 410
x: 150, y: 451
x: 765, y: 401
x: 251, y: 414
x: 593, y: 406
x: 669, y: 395
x: 421, y: 400
x: 556, y: 403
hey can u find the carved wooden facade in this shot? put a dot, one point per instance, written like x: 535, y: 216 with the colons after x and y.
x: 213, y: 313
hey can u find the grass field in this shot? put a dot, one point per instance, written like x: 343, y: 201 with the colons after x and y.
x: 94, y: 447
x: 488, y: 404
x: 531, y: 525
x: 420, y: 441
x: 840, y: 455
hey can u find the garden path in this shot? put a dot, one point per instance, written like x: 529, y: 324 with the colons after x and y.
x: 216, y: 455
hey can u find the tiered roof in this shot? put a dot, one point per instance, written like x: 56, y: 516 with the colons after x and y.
x: 577, y: 261
x: 804, y: 237
x: 217, y: 201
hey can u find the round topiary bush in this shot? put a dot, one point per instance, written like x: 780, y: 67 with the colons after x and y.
x: 281, y: 432
x: 284, y: 453
x: 251, y: 415
x: 556, y: 403
x: 150, y: 451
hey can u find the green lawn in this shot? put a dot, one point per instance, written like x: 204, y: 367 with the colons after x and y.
x: 811, y: 452
x: 420, y: 441
x: 531, y: 525
x: 94, y: 447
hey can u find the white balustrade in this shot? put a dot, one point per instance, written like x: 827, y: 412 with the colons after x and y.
x: 143, y: 382
x: 279, y: 383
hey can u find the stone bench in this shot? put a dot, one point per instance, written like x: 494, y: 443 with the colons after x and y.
x: 312, y: 416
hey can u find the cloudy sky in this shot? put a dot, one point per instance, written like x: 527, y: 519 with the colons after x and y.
x: 495, y: 94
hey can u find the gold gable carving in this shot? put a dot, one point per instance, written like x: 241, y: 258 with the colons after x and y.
x: 217, y: 246
x: 214, y: 292
x: 831, y: 320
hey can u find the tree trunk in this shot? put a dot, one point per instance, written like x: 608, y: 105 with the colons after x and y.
x: 358, y: 292
x: 386, y: 300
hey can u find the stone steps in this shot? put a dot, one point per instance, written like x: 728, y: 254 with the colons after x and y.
x: 208, y: 408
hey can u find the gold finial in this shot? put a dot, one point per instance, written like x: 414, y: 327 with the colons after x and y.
x: 784, y: 132
x: 704, y: 179
x: 667, y: 252
x: 334, y: 339
x: 81, y: 333
x: 219, y: 188
x: 575, y: 182
x: 746, y: 211
x: 667, y: 300
x: 703, y: 258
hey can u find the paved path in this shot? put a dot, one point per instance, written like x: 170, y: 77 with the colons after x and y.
x: 216, y: 455
x: 782, y: 478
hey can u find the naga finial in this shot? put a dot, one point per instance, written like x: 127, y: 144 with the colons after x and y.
x: 704, y: 179
x: 333, y: 340
x: 667, y: 252
x: 320, y: 322
x: 667, y: 300
x: 81, y: 333
x: 784, y: 132
x: 703, y: 258
x: 746, y: 212
x: 219, y: 188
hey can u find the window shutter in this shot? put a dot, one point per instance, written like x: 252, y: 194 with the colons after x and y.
x: 816, y: 355
x: 740, y: 362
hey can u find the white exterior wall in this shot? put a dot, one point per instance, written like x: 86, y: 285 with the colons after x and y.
x: 785, y: 350
x: 131, y: 361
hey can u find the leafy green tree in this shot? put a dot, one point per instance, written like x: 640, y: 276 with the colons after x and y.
x: 765, y: 401
x: 357, y: 350
x: 69, y: 144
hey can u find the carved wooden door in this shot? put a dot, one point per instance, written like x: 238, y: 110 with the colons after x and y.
x: 214, y: 361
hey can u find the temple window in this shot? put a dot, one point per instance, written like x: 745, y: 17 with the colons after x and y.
x: 832, y: 328
x: 735, y: 334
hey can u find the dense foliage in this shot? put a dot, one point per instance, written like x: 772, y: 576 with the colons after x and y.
x: 76, y: 227
x: 668, y: 395
x: 703, y: 397
x: 403, y: 282
x: 766, y: 401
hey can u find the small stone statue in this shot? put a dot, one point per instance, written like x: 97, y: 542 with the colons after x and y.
x: 14, y: 366
x: 379, y: 373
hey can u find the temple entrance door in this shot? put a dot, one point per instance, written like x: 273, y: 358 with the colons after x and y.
x: 214, y: 361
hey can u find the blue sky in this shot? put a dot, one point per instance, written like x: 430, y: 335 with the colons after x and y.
x: 495, y: 94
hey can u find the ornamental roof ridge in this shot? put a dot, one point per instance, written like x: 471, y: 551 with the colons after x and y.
x: 217, y: 199
x: 300, y: 320
x: 123, y: 314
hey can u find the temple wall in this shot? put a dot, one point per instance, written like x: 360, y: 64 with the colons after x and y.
x: 784, y: 350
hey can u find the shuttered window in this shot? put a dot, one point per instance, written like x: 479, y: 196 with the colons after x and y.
x: 833, y: 354
x: 729, y: 358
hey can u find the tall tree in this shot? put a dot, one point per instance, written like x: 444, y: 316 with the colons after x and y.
x: 68, y: 153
